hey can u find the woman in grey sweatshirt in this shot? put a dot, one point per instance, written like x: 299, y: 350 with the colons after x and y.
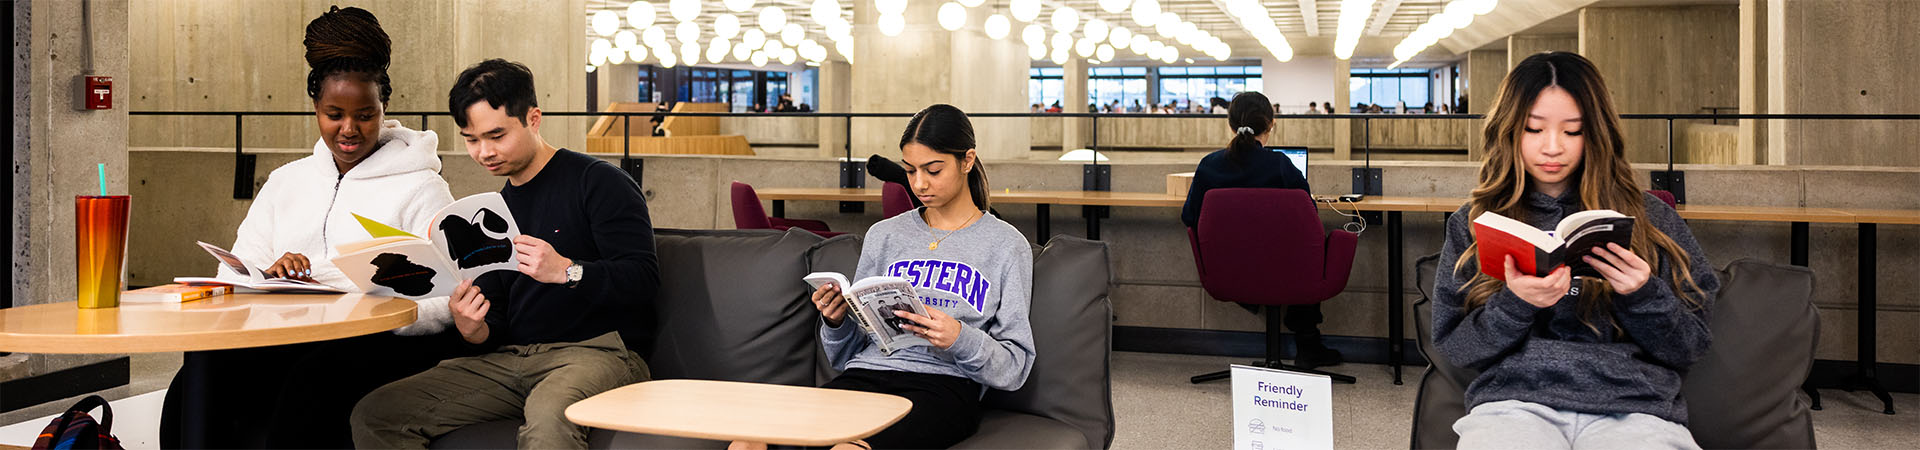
x: 1565, y: 362
x: 974, y: 273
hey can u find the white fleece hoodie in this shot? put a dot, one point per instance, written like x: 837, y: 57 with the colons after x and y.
x: 307, y: 207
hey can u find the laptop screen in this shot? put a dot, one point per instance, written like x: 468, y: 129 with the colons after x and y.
x: 1298, y: 155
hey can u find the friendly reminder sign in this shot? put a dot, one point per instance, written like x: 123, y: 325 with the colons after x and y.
x: 1277, y: 409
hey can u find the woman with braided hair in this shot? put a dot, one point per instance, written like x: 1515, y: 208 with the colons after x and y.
x: 301, y: 395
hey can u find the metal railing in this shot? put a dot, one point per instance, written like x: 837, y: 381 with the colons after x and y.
x: 1670, y: 179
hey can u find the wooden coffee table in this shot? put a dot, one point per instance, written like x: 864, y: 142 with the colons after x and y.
x: 736, y: 411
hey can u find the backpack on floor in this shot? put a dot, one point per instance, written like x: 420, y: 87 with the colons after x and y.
x: 77, y: 430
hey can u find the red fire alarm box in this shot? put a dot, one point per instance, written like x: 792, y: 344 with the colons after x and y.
x: 93, y: 92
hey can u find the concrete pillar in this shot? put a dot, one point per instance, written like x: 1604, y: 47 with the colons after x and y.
x: 56, y: 148
x: 836, y: 92
x: 926, y: 65
x: 1485, y: 69
x: 1519, y: 47
x: 1342, y: 102
x: 621, y: 84
x: 1753, y: 82
x: 1776, y: 82
x: 1075, y: 133
x: 1844, y: 57
x: 1665, y: 59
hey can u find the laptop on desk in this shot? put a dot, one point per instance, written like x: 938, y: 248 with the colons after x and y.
x: 1298, y: 155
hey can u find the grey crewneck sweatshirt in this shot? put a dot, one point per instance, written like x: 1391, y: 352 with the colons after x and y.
x: 982, y: 275
x: 1547, y: 356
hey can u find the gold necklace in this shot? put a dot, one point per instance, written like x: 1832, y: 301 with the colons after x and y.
x: 935, y: 245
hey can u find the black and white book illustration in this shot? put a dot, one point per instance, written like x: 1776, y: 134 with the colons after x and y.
x: 477, y: 233
x: 470, y: 237
x: 872, y: 302
x: 254, y: 278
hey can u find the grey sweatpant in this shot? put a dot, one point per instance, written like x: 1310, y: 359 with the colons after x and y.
x: 1516, y: 424
x: 532, y: 382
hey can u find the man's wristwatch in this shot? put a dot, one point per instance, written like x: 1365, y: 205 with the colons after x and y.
x: 574, y: 272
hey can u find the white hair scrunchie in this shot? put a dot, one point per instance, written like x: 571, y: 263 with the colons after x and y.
x: 1244, y: 130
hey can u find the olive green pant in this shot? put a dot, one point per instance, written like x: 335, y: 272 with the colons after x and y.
x: 533, y: 382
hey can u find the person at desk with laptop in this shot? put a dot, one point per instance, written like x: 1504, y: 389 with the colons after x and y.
x: 1248, y: 162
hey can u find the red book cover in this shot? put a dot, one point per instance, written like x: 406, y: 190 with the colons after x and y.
x: 1496, y: 245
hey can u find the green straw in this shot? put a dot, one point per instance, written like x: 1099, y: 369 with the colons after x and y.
x: 102, y: 168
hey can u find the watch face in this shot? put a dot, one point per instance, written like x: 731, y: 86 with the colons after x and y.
x: 574, y: 272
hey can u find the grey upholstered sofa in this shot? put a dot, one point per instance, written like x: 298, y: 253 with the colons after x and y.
x: 732, y: 307
x: 1744, y: 393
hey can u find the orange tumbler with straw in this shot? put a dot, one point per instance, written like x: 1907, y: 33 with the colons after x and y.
x: 100, y: 249
x: 100, y: 246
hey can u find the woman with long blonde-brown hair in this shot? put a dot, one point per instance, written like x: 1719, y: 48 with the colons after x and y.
x: 1566, y: 362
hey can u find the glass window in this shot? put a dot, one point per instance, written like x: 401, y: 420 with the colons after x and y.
x: 1125, y: 85
x: 1391, y: 88
x: 1186, y: 87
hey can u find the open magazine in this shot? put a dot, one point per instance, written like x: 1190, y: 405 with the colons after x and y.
x: 256, y: 279
x: 467, y: 238
x: 872, y: 302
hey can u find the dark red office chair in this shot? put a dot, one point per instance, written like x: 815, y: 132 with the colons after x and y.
x: 747, y: 215
x: 1267, y: 247
x: 1665, y: 196
x: 895, y: 199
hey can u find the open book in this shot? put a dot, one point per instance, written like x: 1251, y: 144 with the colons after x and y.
x: 256, y: 278
x: 467, y: 238
x: 871, y: 303
x: 1540, y: 252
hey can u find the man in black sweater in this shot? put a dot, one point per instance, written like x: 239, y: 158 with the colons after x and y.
x: 559, y: 330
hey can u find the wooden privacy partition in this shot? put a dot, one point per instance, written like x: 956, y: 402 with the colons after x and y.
x: 687, y: 135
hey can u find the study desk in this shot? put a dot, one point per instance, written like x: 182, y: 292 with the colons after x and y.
x: 737, y: 411
x: 1866, y: 219
x: 219, y: 323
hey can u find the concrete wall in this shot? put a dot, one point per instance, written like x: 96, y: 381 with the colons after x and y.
x: 1157, y: 285
x: 1667, y: 59
x: 1846, y: 57
x: 1295, y: 83
x: 233, y: 55
x: 52, y: 164
x: 1485, y: 69
x: 963, y: 68
x: 1519, y: 47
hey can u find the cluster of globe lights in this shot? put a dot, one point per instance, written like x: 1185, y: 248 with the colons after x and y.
x: 1456, y: 15
x: 775, y: 38
x: 1100, y: 39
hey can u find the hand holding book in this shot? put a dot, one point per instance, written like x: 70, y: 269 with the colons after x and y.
x: 1541, y: 292
x: 832, y: 305
x: 936, y: 327
x: 1623, y: 270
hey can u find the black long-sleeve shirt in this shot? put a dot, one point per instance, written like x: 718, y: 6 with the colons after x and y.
x: 1258, y: 169
x: 594, y: 214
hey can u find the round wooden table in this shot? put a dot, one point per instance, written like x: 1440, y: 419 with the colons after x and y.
x: 224, y: 322
x: 737, y: 411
